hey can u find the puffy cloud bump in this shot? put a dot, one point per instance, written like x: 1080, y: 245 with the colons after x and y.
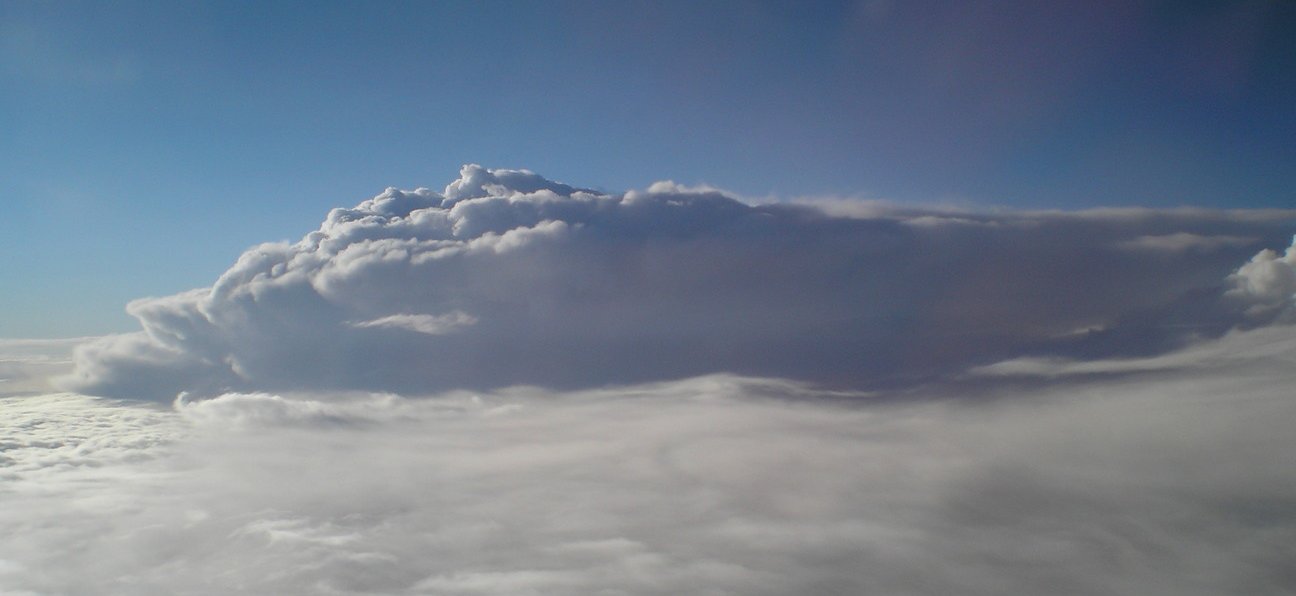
x: 508, y: 278
x: 1267, y: 283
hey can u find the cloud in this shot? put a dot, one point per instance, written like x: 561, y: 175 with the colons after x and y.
x: 1267, y: 283
x: 1183, y: 241
x: 1232, y: 348
x: 429, y: 324
x: 507, y: 278
x: 47, y: 435
x: 27, y: 364
x: 1170, y: 482
x: 253, y: 410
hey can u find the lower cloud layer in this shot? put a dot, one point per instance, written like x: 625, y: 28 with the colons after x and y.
x: 1172, y: 481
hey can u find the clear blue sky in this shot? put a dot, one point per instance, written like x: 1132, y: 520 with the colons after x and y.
x: 144, y: 145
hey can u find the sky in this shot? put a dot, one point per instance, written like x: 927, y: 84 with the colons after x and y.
x: 518, y: 386
x: 141, y: 132
x: 459, y: 299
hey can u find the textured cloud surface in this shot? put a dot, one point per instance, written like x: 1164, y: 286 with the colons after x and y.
x: 676, y: 392
x: 1175, y: 480
x: 507, y: 278
x: 1267, y: 283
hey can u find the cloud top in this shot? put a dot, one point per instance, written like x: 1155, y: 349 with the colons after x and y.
x: 1174, y: 483
x: 1267, y: 283
x: 508, y: 278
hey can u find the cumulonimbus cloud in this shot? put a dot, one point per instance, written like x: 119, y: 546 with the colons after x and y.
x: 507, y: 278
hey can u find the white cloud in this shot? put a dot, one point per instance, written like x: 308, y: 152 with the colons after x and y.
x: 1267, y: 283
x: 826, y: 437
x: 429, y: 324
x: 1174, y: 482
x: 569, y: 288
x: 1234, y: 347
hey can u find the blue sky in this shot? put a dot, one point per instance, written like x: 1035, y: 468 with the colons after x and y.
x: 144, y: 145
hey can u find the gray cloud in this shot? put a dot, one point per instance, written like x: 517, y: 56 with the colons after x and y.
x: 1183, y: 241
x: 568, y: 288
x: 1171, y: 481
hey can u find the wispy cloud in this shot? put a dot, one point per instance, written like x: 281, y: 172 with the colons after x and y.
x: 429, y: 324
x: 1184, y: 241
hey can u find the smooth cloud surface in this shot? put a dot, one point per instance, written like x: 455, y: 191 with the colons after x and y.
x: 507, y: 278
